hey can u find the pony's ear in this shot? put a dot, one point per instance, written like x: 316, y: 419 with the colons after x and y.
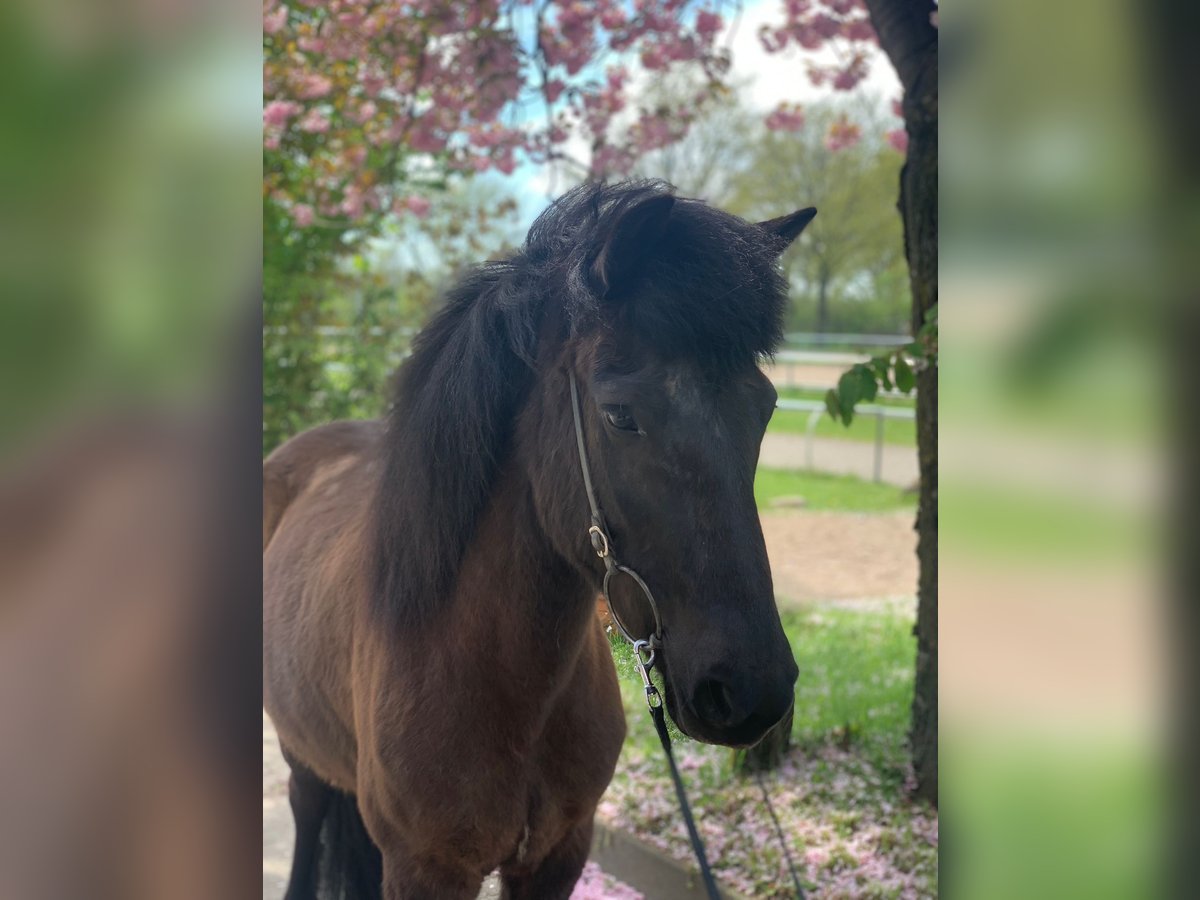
x: 628, y: 241
x: 787, y: 228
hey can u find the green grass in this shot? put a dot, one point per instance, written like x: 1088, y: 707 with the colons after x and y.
x: 895, y: 431
x: 1023, y: 525
x: 843, y: 493
x: 856, y: 678
x: 855, y: 684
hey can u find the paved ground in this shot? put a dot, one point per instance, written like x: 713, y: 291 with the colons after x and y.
x: 788, y: 451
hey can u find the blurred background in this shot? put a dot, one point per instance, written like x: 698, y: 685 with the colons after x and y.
x: 140, y: 153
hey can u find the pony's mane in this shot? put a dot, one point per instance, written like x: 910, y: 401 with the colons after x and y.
x: 710, y: 292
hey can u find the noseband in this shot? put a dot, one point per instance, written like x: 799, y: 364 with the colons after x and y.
x: 644, y: 650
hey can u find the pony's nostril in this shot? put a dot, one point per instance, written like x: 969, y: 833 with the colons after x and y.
x: 712, y: 701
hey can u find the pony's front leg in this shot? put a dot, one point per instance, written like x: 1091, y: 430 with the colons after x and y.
x: 555, y: 877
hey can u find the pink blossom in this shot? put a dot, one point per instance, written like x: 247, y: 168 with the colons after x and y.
x: 315, y: 121
x: 816, y: 856
x: 505, y: 162
x: 842, y: 134
x: 366, y: 112
x: 898, y: 138
x: 593, y: 884
x: 554, y: 89
x: 859, y: 30
x: 425, y: 140
x: 274, y: 20
x: 613, y: 18
x: 708, y: 23
x: 654, y: 58
x: 277, y: 112
x: 847, y: 79
x: 825, y: 26
x: 690, y: 762
x: 786, y: 117
x: 302, y: 215
x: 353, y: 203
x: 417, y: 205
x: 313, y: 86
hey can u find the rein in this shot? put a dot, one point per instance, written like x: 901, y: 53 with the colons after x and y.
x: 645, y: 652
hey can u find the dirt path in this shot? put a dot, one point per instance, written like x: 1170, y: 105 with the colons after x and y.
x: 826, y: 556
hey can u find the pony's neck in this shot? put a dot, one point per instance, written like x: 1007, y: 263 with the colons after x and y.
x: 528, y: 609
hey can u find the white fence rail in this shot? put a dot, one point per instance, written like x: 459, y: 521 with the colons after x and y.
x: 816, y: 409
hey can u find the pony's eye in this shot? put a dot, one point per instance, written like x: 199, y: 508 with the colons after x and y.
x: 619, y: 418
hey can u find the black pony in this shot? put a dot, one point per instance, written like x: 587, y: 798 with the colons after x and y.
x: 431, y: 658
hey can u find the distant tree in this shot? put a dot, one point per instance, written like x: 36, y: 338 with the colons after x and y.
x: 706, y: 162
x: 856, y: 238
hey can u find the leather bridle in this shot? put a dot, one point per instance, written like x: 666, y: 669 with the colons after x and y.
x: 644, y: 649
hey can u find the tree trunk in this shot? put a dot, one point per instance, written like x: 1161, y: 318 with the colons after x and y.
x: 908, y: 37
x: 768, y: 753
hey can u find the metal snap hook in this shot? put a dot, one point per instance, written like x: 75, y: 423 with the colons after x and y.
x: 644, y: 651
x: 599, y: 541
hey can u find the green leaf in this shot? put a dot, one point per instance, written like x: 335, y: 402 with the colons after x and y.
x: 858, y: 383
x: 905, y: 380
x: 848, y: 391
x: 831, y: 404
x: 881, y: 366
x: 868, y: 386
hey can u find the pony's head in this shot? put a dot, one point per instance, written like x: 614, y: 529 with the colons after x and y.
x: 661, y: 308
x: 665, y: 307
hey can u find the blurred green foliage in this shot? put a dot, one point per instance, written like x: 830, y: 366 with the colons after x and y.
x: 312, y: 284
x: 890, y: 371
x: 340, y: 307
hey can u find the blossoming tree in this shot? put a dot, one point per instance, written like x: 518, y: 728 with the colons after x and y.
x: 365, y: 99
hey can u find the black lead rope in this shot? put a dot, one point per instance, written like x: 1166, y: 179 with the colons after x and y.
x: 787, y: 854
x: 644, y: 653
x: 660, y: 725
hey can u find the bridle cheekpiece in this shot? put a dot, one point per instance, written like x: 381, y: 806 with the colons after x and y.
x: 644, y: 649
